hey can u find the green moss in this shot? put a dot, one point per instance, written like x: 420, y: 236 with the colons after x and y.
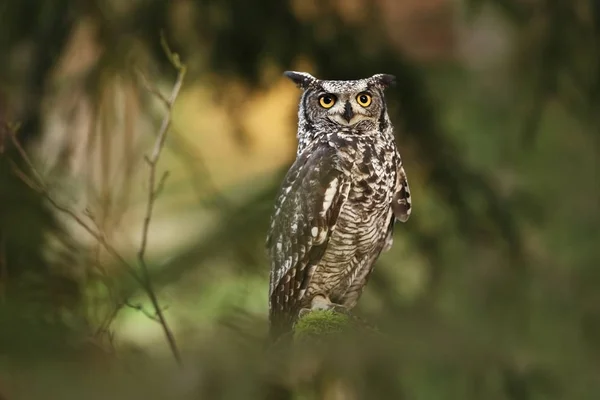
x: 321, y: 323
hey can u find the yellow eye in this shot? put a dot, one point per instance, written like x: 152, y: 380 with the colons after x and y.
x: 327, y: 100
x: 364, y: 99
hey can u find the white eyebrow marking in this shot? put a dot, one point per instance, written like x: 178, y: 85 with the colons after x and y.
x: 344, y: 86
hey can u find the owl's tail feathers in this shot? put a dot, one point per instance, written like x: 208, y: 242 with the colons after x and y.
x: 280, y: 328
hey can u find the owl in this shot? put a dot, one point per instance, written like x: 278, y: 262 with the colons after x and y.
x: 336, y: 209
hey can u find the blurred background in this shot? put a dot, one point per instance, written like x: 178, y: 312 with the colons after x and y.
x: 491, y: 288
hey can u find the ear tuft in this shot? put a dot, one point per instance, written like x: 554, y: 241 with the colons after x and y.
x: 302, y: 79
x: 384, y: 80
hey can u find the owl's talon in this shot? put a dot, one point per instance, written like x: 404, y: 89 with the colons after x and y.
x: 323, y: 303
x: 337, y: 308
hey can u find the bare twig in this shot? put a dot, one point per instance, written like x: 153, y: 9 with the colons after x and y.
x: 36, y: 183
x: 153, y: 191
x: 141, y: 309
x: 39, y: 186
x: 152, y: 89
x: 105, y: 325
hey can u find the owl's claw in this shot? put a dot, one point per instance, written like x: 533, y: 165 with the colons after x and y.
x: 323, y: 303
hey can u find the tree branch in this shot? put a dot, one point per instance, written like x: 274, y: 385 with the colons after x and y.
x: 154, y: 189
x: 39, y: 186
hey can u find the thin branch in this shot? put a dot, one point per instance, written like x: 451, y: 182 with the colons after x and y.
x: 154, y: 188
x: 152, y: 89
x: 153, y: 191
x: 41, y: 188
x: 105, y: 325
x: 141, y: 309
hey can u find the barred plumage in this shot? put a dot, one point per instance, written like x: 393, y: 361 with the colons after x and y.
x: 336, y: 209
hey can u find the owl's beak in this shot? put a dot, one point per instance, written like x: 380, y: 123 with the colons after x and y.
x: 348, y: 113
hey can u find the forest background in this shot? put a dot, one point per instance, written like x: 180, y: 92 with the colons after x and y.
x: 491, y: 288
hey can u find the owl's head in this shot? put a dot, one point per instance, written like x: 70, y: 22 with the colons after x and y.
x: 345, y: 103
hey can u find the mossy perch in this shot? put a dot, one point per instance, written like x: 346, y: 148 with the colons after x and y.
x: 326, y: 323
x: 321, y: 323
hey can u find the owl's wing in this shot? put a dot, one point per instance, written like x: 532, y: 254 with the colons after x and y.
x: 306, y: 212
x: 401, y: 202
